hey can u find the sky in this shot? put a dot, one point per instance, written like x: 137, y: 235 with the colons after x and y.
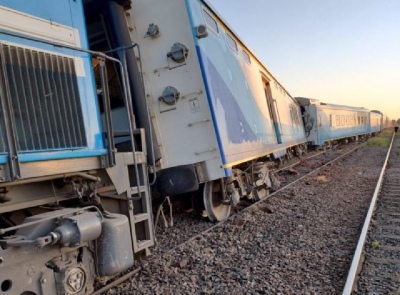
x: 338, y: 51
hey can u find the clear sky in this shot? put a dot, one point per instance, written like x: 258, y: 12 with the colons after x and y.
x: 338, y: 51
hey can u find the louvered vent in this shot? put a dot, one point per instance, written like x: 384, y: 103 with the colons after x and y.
x: 45, y: 100
x: 3, y: 137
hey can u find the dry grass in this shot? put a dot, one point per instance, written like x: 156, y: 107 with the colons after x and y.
x: 382, y: 139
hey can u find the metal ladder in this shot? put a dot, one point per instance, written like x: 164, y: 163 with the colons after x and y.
x: 139, y: 200
x: 140, y: 210
x: 135, y: 197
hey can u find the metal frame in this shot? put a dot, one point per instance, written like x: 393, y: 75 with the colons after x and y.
x: 13, y: 162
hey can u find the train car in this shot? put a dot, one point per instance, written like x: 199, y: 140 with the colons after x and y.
x: 375, y: 122
x: 219, y: 116
x: 72, y: 210
x: 386, y: 122
x: 325, y: 123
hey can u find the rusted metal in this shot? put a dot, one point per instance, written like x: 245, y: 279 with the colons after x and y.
x: 117, y: 281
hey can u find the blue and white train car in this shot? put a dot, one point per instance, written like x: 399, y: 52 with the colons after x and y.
x: 325, y: 122
x: 375, y: 122
x: 214, y: 105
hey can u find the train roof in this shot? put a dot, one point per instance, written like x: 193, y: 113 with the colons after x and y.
x: 376, y: 111
x: 226, y: 24
x: 307, y: 101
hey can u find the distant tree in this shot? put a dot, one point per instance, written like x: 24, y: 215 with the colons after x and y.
x: 394, y: 121
x: 398, y: 121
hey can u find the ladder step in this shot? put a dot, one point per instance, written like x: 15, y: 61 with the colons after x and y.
x: 141, y: 217
x: 135, y: 190
x: 143, y: 244
x: 140, y: 158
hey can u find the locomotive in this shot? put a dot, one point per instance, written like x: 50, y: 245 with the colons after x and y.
x: 107, y: 105
x: 73, y: 210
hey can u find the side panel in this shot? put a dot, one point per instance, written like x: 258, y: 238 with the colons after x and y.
x: 220, y: 117
x: 335, y: 123
x: 61, y: 22
x: 184, y: 129
x: 234, y: 79
x: 375, y: 122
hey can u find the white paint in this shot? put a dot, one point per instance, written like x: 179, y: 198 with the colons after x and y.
x: 23, y: 23
x: 79, y: 68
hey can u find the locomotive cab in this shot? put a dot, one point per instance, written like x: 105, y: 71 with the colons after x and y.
x: 64, y: 187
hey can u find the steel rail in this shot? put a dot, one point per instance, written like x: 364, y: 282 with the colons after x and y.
x: 348, y: 288
x: 260, y: 201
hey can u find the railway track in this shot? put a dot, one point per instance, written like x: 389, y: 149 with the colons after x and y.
x: 188, y: 223
x: 317, y: 163
x: 376, y: 264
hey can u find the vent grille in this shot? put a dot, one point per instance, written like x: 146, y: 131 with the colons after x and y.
x: 45, y: 100
x: 3, y: 137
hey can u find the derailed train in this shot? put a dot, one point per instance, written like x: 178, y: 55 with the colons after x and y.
x: 326, y: 123
x: 176, y: 104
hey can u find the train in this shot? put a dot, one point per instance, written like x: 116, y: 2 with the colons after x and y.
x: 327, y: 123
x: 109, y: 106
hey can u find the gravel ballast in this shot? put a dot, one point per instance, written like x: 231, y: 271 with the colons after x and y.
x: 299, y: 241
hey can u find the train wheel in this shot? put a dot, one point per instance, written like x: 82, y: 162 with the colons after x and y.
x: 197, y: 202
x: 216, y: 206
x: 260, y: 193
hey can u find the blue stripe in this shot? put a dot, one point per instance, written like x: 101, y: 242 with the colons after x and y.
x: 55, y: 155
x: 339, y: 134
x: 208, y: 92
x: 227, y: 172
x: 278, y: 132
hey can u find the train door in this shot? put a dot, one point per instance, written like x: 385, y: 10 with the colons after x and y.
x: 273, y: 110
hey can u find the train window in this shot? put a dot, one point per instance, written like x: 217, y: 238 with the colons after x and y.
x: 347, y: 120
x: 276, y: 86
x: 359, y: 120
x: 342, y: 122
x: 210, y: 21
x: 246, y: 57
x: 337, y: 120
x: 232, y: 43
